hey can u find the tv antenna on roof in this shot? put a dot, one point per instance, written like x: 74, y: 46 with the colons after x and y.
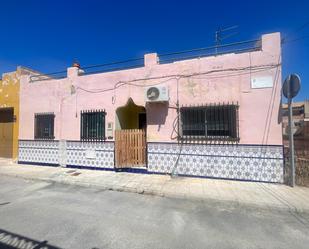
x: 219, y: 35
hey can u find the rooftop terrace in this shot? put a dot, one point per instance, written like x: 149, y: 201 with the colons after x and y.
x: 164, y: 58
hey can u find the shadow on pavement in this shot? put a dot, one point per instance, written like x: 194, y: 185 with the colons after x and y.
x: 10, y: 240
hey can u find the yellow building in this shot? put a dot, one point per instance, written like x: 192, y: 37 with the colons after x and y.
x: 9, y: 112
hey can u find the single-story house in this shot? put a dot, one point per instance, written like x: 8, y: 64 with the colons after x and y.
x: 197, y: 114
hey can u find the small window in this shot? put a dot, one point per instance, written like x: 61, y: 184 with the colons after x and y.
x: 6, y: 115
x: 44, y: 126
x: 93, y: 125
x: 215, y: 122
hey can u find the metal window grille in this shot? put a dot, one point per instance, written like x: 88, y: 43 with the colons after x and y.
x: 93, y: 125
x: 210, y: 122
x: 44, y: 126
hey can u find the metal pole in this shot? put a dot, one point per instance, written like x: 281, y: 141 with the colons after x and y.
x: 291, y: 136
x: 217, y: 38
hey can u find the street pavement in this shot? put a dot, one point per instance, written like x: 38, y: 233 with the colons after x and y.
x: 237, y: 193
x: 41, y: 214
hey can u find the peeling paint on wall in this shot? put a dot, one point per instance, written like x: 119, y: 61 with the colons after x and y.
x: 191, y: 87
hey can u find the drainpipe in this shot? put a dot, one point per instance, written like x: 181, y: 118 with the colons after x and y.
x: 174, y: 173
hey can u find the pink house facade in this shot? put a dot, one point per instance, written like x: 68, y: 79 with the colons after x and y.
x: 210, y: 116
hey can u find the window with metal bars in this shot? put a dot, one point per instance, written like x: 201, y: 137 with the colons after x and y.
x: 44, y: 125
x: 210, y: 122
x: 93, y: 125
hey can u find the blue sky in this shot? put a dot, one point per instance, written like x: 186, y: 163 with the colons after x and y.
x: 49, y: 35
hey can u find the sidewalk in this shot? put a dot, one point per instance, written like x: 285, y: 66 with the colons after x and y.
x: 239, y: 193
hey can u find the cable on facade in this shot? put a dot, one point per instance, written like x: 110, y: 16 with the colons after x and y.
x: 271, y: 106
x: 194, y: 75
x: 130, y: 82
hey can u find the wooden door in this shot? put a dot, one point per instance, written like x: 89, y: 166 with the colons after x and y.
x: 130, y: 148
x: 6, y: 132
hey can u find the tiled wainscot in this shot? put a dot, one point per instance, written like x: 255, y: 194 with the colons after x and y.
x: 242, y: 162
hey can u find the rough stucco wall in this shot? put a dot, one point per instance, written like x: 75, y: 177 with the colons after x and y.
x: 9, y: 97
x: 259, y: 121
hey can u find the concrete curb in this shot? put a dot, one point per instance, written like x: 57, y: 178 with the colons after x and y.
x: 153, y: 192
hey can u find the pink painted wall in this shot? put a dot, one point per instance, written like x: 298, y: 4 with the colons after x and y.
x: 259, y: 121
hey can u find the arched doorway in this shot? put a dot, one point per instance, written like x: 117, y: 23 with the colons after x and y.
x: 130, y: 116
x: 130, y: 136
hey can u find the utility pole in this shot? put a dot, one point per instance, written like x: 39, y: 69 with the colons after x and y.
x: 217, y: 38
x: 219, y: 35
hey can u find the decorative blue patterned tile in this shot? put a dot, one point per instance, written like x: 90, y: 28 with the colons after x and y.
x: 258, y: 163
x: 73, y: 153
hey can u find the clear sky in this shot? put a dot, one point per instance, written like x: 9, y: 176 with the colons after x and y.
x: 49, y: 35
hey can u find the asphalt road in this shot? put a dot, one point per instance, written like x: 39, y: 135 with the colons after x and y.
x: 45, y: 215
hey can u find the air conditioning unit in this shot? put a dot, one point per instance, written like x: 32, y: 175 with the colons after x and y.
x: 156, y: 94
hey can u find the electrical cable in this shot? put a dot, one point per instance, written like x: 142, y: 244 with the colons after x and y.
x: 175, y: 76
x: 271, y: 106
x: 304, y: 25
x: 294, y: 40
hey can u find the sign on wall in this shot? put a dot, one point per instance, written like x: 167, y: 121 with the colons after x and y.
x: 262, y: 82
x: 90, y: 154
